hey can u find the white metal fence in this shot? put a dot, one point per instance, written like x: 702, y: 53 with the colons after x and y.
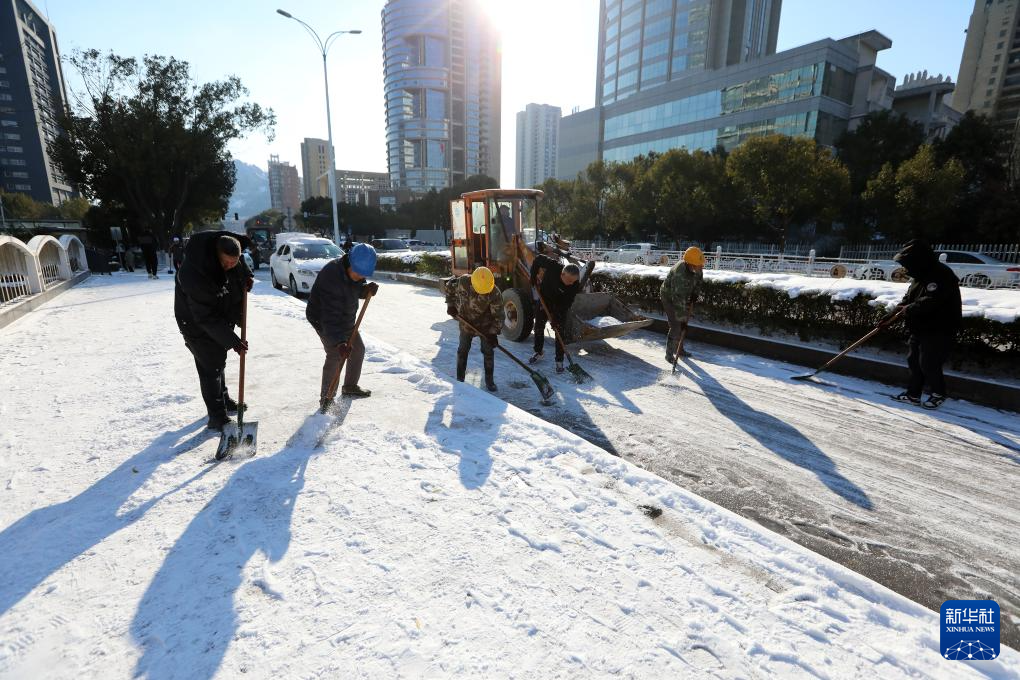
x: 29, y: 269
x: 1008, y: 253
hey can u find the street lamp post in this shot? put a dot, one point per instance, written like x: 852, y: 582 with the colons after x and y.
x: 324, y: 49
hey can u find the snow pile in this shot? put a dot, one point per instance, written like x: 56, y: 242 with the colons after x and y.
x: 413, y: 257
x: 438, y: 531
x: 603, y: 321
x: 995, y: 305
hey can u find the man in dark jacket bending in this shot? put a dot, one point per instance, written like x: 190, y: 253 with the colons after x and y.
x: 332, y: 310
x: 208, y: 294
x: 932, y: 312
x: 558, y: 286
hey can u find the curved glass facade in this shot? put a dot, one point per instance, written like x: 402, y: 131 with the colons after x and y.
x: 441, y: 82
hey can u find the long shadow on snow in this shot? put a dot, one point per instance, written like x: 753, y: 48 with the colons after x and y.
x: 469, y: 434
x: 992, y: 424
x: 186, y: 620
x: 40, y: 543
x: 777, y: 436
x: 516, y: 387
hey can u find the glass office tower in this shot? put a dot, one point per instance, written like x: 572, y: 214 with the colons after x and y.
x: 442, y: 86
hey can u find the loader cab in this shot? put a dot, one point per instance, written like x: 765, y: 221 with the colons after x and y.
x: 484, y: 226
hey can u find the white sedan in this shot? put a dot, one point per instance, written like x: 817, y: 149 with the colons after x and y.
x: 297, y: 262
x: 637, y: 253
x: 974, y: 270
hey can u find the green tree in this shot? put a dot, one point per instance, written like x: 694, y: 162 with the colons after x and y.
x: 556, y: 205
x: 691, y: 193
x: 19, y: 206
x: 917, y: 199
x: 988, y: 202
x: 144, y: 136
x: 596, y: 206
x: 788, y: 181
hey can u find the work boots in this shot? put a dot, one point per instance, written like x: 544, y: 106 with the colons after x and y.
x: 461, y: 367
x: 490, y: 365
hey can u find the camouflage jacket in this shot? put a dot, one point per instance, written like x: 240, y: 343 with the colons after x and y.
x: 485, y: 312
x: 681, y: 285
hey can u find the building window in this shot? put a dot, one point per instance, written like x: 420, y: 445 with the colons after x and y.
x: 6, y: 97
x: 12, y: 136
x: 991, y: 81
x: 22, y: 187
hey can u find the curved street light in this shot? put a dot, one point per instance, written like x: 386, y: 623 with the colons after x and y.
x: 324, y: 46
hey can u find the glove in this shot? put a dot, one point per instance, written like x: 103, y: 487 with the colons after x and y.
x: 371, y: 288
x: 241, y: 346
x: 451, y: 310
x: 493, y: 339
x: 344, y: 349
x: 249, y: 283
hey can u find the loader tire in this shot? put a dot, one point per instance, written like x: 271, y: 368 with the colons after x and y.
x: 519, y: 317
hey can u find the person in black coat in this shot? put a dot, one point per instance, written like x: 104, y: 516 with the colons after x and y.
x: 208, y: 295
x: 149, y: 246
x: 332, y: 310
x: 932, y: 311
x: 558, y: 285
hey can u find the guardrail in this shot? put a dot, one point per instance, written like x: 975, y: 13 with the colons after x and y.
x: 28, y: 269
x: 809, y: 265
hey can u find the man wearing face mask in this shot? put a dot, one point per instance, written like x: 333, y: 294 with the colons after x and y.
x: 208, y: 295
x: 932, y: 312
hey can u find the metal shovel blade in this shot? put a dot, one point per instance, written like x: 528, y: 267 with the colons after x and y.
x: 543, y: 385
x: 580, y: 375
x: 236, y: 440
x: 808, y: 377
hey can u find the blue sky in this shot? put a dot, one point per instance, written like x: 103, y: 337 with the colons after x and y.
x: 548, y: 55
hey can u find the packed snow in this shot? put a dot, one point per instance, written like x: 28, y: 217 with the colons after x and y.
x: 995, y: 305
x: 439, y: 530
x: 603, y: 321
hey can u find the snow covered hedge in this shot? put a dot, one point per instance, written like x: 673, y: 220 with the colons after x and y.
x: 840, y: 310
x: 810, y: 315
x: 426, y: 264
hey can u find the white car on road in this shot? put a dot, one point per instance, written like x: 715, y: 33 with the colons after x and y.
x: 296, y: 263
x: 637, y: 253
x: 975, y: 270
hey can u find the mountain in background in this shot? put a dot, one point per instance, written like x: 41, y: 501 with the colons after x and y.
x: 251, y: 192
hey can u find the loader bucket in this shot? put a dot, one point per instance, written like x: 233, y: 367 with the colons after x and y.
x: 598, y: 316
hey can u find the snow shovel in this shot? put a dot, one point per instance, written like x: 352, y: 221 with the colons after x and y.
x: 343, y: 360
x: 875, y: 331
x: 683, y: 334
x: 580, y: 375
x: 239, y: 436
x: 541, y: 382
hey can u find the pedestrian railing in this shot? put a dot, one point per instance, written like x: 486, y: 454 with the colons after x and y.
x: 29, y: 269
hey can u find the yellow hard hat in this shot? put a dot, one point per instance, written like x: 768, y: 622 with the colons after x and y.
x: 694, y: 256
x: 482, y: 281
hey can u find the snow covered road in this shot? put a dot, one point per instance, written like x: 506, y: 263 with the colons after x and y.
x: 924, y: 503
x: 439, y: 532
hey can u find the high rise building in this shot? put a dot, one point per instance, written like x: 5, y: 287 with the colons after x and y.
x: 284, y: 187
x: 538, y: 134
x: 32, y: 99
x: 442, y: 71
x: 989, y: 79
x: 645, y: 43
x: 817, y: 91
x: 315, y: 167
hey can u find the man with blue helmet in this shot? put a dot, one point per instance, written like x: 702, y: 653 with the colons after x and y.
x: 332, y: 310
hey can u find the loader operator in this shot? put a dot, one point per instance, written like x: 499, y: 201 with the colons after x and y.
x: 678, y: 293
x: 208, y: 294
x: 476, y: 301
x: 332, y: 310
x: 556, y: 285
x: 933, y: 310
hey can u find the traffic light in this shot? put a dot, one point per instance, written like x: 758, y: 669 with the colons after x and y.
x: 236, y: 218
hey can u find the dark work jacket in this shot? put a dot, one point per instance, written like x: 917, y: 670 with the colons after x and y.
x: 207, y: 299
x: 933, y: 304
x: 557, y: 296
x: 148, y: 243
x: 333, y: 303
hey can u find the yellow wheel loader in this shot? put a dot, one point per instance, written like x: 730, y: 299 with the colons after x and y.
x: 498, y: 229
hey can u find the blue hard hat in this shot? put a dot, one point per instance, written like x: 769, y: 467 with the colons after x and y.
x: 362, y: 259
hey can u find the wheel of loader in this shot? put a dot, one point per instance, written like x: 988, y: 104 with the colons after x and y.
x: 518, y: 313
